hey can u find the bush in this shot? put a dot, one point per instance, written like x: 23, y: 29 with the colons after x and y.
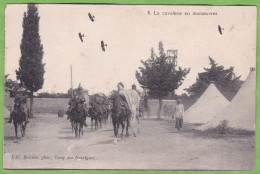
x: 61, y: 113
x: 223, y: 127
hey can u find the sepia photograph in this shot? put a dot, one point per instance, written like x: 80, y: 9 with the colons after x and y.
x: 129, y: 87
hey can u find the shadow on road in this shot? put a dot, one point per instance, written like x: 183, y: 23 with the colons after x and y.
x: 67, y: 138
x: 105, y: 130
x: 66, y: 128
x: 66, y: 132
x: 6, y: 138
x: 104, y: 142
x: 108, y: 142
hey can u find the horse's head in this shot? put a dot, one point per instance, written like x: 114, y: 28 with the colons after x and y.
x: 77, y: 107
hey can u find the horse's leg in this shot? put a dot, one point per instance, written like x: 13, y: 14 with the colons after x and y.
x: 117, y: 127
x: 123, y: 127
x: 114, y: 125
x: 92, y: 122
x: 138, y: 119
x: 96, y: 123
x: 21, y: 128
x: 72, y: 126
x: 127, y: 126
x: 15, y: 128
x: 105, y: 118
x: 100, y: 121
x: 76, y: 129
x: 81, y: 127
x: 23, y: 124
x: 79, y: 130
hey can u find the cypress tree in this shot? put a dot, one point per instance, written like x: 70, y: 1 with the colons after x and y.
x: 31, y: 70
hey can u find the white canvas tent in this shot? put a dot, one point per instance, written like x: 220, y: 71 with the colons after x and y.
x: 240, y: 113
x: 210, y: 103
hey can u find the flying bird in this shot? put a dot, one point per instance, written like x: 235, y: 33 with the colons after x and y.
x: 220, y: 29
x: 81, y: 37
x: 91, y: 17
x: 103, y: 45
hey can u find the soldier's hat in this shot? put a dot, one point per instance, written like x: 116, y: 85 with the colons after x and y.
x: 120, y: 85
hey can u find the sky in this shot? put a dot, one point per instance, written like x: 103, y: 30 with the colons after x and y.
x: 130, y: 33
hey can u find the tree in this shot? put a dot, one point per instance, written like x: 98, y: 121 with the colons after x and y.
x: 160, y: 75
x: 225, y: 80
x: 31, y: 70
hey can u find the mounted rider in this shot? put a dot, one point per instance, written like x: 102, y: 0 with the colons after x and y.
x: 122, y: 102
x: 96, y: 104
x: 20, y: 102
x: 78, y: 99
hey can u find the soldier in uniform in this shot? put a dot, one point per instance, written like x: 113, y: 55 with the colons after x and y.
x: 80, y: 100
x: 71, y: 105
x: 123, y: 101
x: 20, y: 102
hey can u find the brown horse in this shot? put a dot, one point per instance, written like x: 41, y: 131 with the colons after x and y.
x: 120, y: 115
x: 77, y: 119
x: 19, y: 120
x: 96, y: 116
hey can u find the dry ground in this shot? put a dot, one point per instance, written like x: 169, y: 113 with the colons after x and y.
x: 50, y: 143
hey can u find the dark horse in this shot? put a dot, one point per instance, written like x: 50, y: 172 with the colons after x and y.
x: 19, y: 119
x: 120, y: 115
x: 105, y: 111
x: 77, y: 119
x: 96, y: 116
x: 69, y: 113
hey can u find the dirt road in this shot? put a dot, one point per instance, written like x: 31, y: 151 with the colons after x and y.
x: 50, y: 143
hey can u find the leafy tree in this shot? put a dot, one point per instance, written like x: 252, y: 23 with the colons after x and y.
x: 225, y: 80
x: 31, y: 70
x: 160, y: 75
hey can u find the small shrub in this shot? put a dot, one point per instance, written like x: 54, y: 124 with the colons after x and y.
x: 61, y: 113
x: 223, y: 127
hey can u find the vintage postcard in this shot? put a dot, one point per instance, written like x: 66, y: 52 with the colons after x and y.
x: 131, y: 87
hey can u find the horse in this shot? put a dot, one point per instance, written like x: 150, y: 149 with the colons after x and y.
x: 19, y: 119
x: 120, y: 115
x: 95, y: 116
x: 105, y: 112
x: 69, y: 113
x: 98, y: 113
x: 101, y: 107
x: 78, y: 117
